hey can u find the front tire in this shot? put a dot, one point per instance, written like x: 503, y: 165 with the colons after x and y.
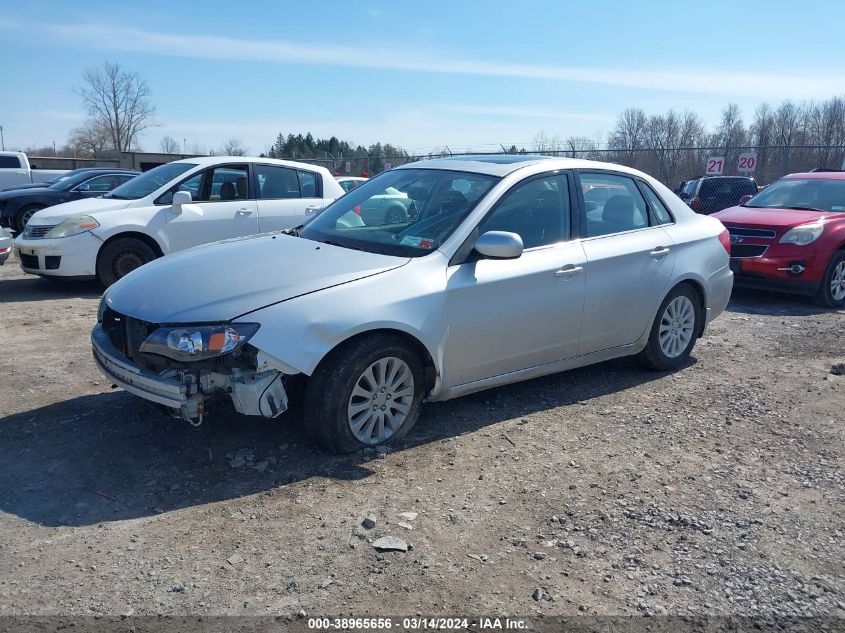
x: 120, y: 257
x: 24, y: 216
x: 365, y: 393
x: 674, y: 330
x: 832, y: 292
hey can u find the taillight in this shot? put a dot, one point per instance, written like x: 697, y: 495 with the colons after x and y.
x: 725, y: 239
x: 695, y: 204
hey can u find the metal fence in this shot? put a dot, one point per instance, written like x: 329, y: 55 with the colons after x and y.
x: 669, y: 165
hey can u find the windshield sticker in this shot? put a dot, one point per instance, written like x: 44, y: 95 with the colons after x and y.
x: 426, y: 243
x: 410, y: 240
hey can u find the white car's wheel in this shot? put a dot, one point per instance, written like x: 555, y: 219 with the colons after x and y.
x: 120, y: 257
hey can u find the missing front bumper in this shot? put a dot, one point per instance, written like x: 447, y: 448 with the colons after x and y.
x: 252, y: 393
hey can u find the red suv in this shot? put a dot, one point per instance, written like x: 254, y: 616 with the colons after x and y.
x: 791, y: 237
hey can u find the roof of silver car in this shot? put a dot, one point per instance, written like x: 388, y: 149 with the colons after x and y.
x: 491, y: 164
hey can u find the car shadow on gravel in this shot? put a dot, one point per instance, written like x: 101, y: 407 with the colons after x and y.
x: 749, y: 301
x: 111, y: 456
x: 38, y: 289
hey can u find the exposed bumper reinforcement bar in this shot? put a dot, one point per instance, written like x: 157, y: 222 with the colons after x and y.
x: 134, y: 379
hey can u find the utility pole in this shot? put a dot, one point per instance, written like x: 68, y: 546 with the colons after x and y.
x: 54, y: 149
x: 185, y: 145
x: 2, y: 140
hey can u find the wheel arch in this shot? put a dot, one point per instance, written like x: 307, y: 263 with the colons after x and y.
x: 142, y: 237
x: 429, y: 366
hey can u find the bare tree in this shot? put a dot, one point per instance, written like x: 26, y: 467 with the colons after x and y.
x: 232, y: 147
x: 118, y: 100
x: 169, y: 145
x: 629, y: 132
x: 89, y: 139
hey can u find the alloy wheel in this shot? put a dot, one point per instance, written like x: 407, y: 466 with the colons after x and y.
x: 677, y: 326
x: 837, y: 282
x: 381, y: 400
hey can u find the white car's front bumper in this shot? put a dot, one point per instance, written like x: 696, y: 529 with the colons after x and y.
x: 74, y: 256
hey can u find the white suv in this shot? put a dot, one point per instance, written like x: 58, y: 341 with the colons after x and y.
x: 170, y: 208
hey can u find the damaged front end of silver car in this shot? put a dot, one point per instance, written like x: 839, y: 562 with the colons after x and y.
x: 183, y: 367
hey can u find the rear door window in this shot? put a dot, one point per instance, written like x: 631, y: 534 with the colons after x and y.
x: 276, y: 183
x: 624, y: 208
x: 10, y: 162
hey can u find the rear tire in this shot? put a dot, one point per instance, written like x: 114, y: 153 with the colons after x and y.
x: 832, y: 292
x: 674, y: 330
x: 120, y: 257
x: 25, y: 214
x: 346, y: 411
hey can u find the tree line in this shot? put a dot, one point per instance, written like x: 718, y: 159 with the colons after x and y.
x: 675, y: 145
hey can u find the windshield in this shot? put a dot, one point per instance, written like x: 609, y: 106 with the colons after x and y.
x: 150, y: 181
x: 404, y: 212
x: 802, y: 193
x: 69, y: 180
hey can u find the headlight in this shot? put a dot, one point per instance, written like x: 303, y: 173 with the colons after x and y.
x: 804, y: 234
x: 73, y: 226
x: 198, y: 342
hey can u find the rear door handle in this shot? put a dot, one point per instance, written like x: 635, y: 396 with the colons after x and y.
x: 244, y: 211
x: 660, y: 251
x: 568, y: 271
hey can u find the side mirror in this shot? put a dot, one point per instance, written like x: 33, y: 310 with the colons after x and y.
x: 180, y: 198
x: 499, y: 245
x: 84, y: 187
x: 745, y: 198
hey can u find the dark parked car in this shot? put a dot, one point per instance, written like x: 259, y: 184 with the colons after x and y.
x: 714, y: 193
x: 47, y: 183
x: 18, y: 205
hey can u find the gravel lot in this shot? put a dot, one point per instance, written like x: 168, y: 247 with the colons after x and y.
x: 718, y: 489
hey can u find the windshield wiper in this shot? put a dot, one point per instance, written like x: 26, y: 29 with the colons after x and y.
x: 294, y: 230
x: 111, y: 195
x: 800, y: 208
x: 331, y: 243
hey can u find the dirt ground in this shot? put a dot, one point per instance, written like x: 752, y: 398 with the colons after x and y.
x: 717, y: 489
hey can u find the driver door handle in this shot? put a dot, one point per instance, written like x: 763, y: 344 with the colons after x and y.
x: 568, y: 271
x: 660, y: 251
x: 244, y: 211
x: 311, y: 210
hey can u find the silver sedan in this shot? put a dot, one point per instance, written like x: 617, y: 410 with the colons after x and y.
x: 503, y: 273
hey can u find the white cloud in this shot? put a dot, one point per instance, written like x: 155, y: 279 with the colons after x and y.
x: 760, y: 85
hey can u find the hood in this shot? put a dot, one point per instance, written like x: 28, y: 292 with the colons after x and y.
x: 86, y: 206
x: 32, y: 185
x: 769, y: 218
x: 218, y: 282
x: 25, y: 191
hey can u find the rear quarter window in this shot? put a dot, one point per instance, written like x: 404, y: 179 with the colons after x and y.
x: 10, y: 162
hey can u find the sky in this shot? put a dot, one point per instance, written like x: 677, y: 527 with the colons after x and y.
x: 421, y: 75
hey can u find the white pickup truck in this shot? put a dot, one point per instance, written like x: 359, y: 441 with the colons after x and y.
x: 15, y: 169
